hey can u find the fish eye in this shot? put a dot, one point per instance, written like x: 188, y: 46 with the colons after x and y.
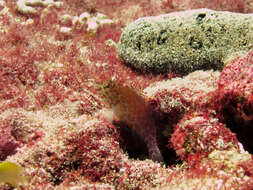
x: 107, y: 85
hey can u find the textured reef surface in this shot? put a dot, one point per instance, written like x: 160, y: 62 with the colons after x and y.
x: 185, y: 41
x: 126, y: 94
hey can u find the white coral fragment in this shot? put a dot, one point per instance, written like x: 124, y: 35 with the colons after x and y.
x: 2, y: 6
x: 66, y: 30
x: 92, y: 25
x: 66, y: 18
x: 2, y: 3
x: 105, y: 21
x: 99, y: 20
x: 84, y: 17
x: 93, y: 22
x: 28, y: 6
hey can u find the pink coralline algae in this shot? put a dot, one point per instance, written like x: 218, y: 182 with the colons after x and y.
x: 234, y: 102
x: 223, y: 170
x: 8, y: 143
x: 198, y: 134
x: 236, y: 89
x: 89, y: 148
x: 57, y: 126
x: 178, y: 96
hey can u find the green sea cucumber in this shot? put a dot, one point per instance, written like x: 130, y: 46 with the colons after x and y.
x: 185, y: 41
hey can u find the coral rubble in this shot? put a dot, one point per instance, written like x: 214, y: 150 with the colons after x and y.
x: 176, y: 130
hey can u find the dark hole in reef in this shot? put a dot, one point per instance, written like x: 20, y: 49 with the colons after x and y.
x: 56, y: 179
x: 244, y: 43
x: 243, y: 129
x: 200, y: 17
x: 169, y: 154
x: 137, y: 149
x: 138, y: 42
x: 131, y: 142
x: 75, y: 165
x: 209, y: 29
x: 248, y: 109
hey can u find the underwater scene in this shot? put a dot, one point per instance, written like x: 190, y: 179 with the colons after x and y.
x: 126, y: 94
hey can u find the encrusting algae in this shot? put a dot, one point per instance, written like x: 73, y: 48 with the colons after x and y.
x: 132, y: 108
x: 12, y: 174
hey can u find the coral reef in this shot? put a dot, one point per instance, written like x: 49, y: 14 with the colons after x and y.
x: 177, y: 96
x: 185, y: 41
x: 234, y: 99
x: 198, y: 134
x: 133, y: 109
x: 65, y: 134
x: 236, y: 88
x: 83, y: 144
x: 220, y: 170
x: 27, y: 6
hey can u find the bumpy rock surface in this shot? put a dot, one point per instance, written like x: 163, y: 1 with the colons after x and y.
x: 198, y: 134
x: 177, y: 96
x: 236, y: 88
x: 186, y: 41
x: 235, y: 98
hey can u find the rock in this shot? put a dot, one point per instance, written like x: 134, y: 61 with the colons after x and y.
x: 198, y: 134
x: 27, y: 6
x: 235, y: 88
x: 185, y: 41
x: 178, y: 96
x: 235, y: 98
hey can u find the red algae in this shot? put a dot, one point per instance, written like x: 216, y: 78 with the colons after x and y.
x: 177, y: 96
x: 236, y: 89
x: 229, y: 5
x: 54, y: 121
x: 198, y: 134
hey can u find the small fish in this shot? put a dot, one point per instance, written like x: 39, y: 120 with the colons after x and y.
x: 12, y: 173
x: 132, y: 108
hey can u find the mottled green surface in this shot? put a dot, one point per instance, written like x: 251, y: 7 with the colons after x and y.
x: 185, y: 41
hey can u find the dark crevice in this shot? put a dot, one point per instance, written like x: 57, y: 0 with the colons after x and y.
x: 136, y: 148
x: 131, y: 142
x: 242, y: 128
x: 243, y: 132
